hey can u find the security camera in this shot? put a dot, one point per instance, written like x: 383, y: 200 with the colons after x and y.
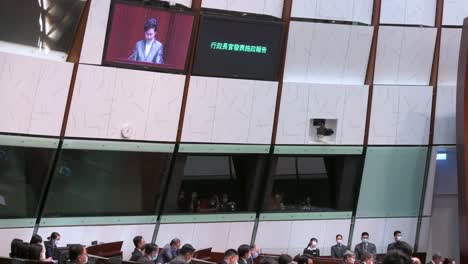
x: 322, y: 131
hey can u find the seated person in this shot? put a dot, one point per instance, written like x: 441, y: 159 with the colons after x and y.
x: 349, y: 257
x: 139, y: 243
x: 230, y: 257
x: 284, y: 259
x: 35, y: 251
x: 244, y: 254
x: 185, y: 255
x: 396, y: 257
x: 151, y: 254
x: 304, y: 260
x: 51, y: 244
x: 254, y: 253
x: 15, y: 248
x: 149, y: 49
x: 77, y: 255
x: 368, y: 258
x: 170, y: 251
x: 37, y: 239
x: 312, y: 249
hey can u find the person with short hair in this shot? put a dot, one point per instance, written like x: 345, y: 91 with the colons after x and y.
x: 15, y: 248
x: 349, y: 257
x: 305, y: 260
x: 338, y: 250
x: 138, y: 252
x: 169, y: 251
x: 285, y: 259
x: 312, y: 249
x: 151, y: 254
x: 364, y: 246
x: 77, y: 254
x: 35, y: 251
x: 399, y: 244
x: 185, y: 255
x: 230, y: 257
x: 37, y: 239
x: 149, y: 49
x: 396, y: 257
x: 436, y: 259
x: 244, y: 254
x: 51, y: 244
x: 254, y: 253
x: 268, y: 260
x: 368, y: 258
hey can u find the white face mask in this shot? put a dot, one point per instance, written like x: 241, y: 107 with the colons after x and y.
x: 56, y: 242
x: 314, y: 244
x: 365, y: 240
x: 398, y: 238
x: 339, y: 241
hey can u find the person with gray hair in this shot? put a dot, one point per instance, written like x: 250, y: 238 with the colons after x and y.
x: 436, y: 259
x: 169, y: 251
x: 349, y: 257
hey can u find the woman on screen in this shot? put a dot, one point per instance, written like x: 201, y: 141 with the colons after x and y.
x: 149, y: 49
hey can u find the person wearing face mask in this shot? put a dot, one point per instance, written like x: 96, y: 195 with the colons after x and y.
x: 399, y: 244
x: 364, y: 247
x: 312, y: 249
x: 244, y: 254
x: 349, y: 257
x: 77, y: 254
x: 338, y: 250
x: 231, y: 257
x: 51, y: 244
x: 185, y: 255
x: 254, y: 253
x: 151, y: 254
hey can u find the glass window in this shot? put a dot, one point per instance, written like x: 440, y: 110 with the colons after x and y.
x: 106, y: 182
x: 392, y: 182
x: 215, y: 183
x: 46, y: 24
x: 314, y: 183
x: 23, y: 171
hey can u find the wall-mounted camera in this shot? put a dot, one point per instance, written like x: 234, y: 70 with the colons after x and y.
x: 322, y: 131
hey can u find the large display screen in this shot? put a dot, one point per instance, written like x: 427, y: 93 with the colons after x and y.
x: 238, y: 48
x: 146, y: 36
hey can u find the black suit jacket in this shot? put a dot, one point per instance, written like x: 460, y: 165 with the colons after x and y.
x: 401, y: 245
x: 136, y: 255
x: 314, y: 252
x: 360, y: 249
x: 49, y: 249
x: 145, y: 260
x: 337, y: 251
x: 243, y: 261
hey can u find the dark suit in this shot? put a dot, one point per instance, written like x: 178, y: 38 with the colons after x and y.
x: 401, y: 245
x: 146, y: 260
x: 337, y: 251
x: 155, y: 54
x: 362, y: 248
x: 136, y: 255
x: 167, y: 254
x: 243, y: 261
x: 49, y: 249
x: 314, y: 252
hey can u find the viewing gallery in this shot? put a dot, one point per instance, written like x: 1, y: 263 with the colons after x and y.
x: 233, y: 131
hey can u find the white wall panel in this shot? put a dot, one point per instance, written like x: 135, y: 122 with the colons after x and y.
x: 219, y: 236
x: 33, y: 94
x: 86, y: 234
x: 408, y: 12
x: 106, y: 100
x: 264, y: 7
x: 292, y: 237
x: 449, y: 53
x: 400, y: 115
x: 302, y: 102
x: 445, y: 115
x: 8, y: 234
x: 404, y: 55
x: 342, y: 10
x: 454, y: 12
x: 95, y: 33
x: 381, y: 231
x: 229, y: 111
x: 327, y: 53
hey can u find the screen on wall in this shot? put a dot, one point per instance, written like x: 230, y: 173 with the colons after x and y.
x: 149, y: 37
x: 238, y: 48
